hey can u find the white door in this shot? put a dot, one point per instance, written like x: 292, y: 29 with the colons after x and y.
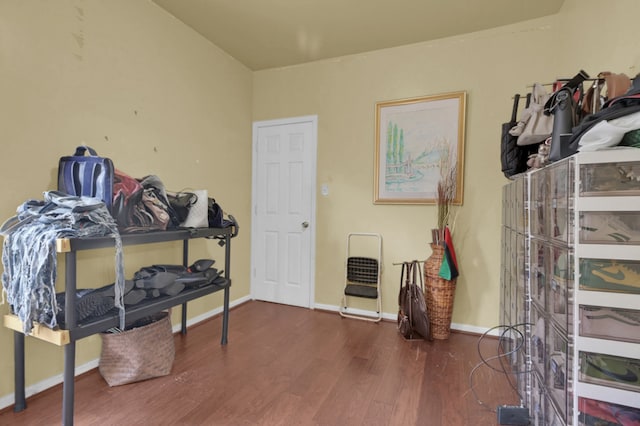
x: 283, y: 225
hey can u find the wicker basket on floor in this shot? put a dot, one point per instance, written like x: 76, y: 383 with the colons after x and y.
x: 138, y: 354
x: 439, y: 295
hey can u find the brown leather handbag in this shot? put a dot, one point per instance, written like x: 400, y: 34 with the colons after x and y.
x: 413, y: 320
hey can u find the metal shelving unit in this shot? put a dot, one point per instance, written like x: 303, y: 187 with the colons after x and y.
x: 74, y: 331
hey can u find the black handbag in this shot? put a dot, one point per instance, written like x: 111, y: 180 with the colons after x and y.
x: 215, y: 214
x: 86, y: 175
x: 180, y: 203
x: 513, y: 156
x: 564, y: 108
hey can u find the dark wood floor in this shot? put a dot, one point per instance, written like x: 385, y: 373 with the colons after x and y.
x: 292, y: 366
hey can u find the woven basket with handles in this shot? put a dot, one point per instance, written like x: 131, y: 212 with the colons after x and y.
x: 138, y: 354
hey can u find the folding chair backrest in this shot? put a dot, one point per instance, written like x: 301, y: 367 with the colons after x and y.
x: 362, y: 270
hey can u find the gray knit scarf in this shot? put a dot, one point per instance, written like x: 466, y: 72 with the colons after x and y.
x: 29, y: 252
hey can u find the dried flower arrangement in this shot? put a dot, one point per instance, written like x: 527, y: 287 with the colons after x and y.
x: 446, y: 194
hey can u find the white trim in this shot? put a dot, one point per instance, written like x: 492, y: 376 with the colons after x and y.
x: 393, y: 317
x: 211, y: 313
x: 9, y: 400
x: 312, y: 226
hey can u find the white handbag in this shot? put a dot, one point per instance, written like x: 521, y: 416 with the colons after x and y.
x: 198, y: 213
x: 534, y: 126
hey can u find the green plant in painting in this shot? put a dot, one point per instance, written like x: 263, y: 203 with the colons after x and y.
x: 395, y: 144
x: 389, y: 141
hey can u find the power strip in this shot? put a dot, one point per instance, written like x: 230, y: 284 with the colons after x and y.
x: 512, y: 415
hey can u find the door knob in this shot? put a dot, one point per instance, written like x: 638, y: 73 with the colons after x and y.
x: 305, y: 224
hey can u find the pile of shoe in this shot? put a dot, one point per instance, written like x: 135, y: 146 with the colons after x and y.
x: 95, y: 302
x: 148, y: 283
x: 157, y: 280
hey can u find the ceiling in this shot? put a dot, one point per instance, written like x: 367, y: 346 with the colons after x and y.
x: 275, y: 33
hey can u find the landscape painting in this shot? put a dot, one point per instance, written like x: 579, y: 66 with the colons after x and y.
x: 417, y: 141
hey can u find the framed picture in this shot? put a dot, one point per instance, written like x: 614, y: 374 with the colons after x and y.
x: 417, y: 141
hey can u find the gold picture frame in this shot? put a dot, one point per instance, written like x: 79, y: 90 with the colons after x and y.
x: 415, y: 139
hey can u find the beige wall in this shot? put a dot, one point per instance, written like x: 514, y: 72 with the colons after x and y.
x: 490, y: 66
x: 343, y: 93
x: 128, y: 79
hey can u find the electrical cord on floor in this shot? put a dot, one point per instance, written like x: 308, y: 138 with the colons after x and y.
x: 501, y: 355
x: 501, y: 359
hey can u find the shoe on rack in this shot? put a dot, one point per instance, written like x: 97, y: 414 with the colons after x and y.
x: 135, y: 296
x: 613, y: 178
x: 608, y: 276
x: 608, y: 368
x: 91, y: 302
x: 610, y: 323
x: 153, y: 293
x: 537, y: 336
x: 607, y: 229
x: 172, y: 289
x: 557, y: 368
x: 220, y: 281
x: 199, y: 279
x: 201, y: 265
x: 110, y: 290
x: 158, y: 280
x: 595, y: 412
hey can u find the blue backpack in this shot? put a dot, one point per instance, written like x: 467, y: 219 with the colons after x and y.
x: 86, y: 175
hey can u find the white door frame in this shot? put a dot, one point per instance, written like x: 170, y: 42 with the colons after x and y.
x: 312, y: 220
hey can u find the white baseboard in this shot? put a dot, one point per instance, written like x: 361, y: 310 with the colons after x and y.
x: 47, y: 383
x: 50, y: 382
x: 393, y: 316
x: 211, y: 313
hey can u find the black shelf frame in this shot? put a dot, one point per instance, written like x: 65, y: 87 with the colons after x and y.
x: 70, y: 247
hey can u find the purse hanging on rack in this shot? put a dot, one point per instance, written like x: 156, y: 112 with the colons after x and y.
x: 534, y: 126
x: 593, y: 100
x: 512, y: 157
x: 563, y: 106
x: 413, y: 319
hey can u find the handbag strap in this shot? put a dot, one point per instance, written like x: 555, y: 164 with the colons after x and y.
x: 401, y: 284
x: 539, y: 94
x: 514, y: 111
x: 416, y: 271
x: 81, y: 150
x: 408, y: 289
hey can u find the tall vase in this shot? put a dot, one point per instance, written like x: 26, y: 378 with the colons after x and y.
x: 439, y: 294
